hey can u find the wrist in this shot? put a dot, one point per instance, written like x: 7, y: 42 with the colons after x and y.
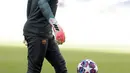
x: 54, y: 24
x: 52, y: 21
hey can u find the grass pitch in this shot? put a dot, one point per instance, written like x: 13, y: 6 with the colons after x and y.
x: 14, y: 60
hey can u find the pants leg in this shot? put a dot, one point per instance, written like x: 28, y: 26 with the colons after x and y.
x: 54, y: 56
x: 37, y: 47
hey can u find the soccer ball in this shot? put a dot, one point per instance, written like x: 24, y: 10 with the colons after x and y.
x: 87, y: 66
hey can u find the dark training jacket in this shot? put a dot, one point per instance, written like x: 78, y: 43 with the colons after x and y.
x: 38, y: 14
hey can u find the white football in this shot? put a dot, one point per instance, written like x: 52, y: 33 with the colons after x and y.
x: 87, y: 66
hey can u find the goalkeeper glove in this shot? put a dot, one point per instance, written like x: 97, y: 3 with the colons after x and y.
x: 58, y: 31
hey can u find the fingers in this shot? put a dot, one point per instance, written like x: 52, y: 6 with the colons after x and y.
x: 60, y: 41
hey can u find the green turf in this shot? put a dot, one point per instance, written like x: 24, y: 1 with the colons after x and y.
x: 13, y: 60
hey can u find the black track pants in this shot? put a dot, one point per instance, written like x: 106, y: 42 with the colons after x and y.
x: 40, y: 48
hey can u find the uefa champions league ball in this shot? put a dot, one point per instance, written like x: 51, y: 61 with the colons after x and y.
x: 87, y: 66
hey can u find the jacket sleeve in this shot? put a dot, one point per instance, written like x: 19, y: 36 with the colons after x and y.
x: 46, y: 9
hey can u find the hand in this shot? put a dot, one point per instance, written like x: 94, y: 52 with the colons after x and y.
x: 58, y: 31
x: 60, y: 36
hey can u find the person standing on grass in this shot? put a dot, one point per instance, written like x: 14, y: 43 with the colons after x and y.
x: 38, y: 33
